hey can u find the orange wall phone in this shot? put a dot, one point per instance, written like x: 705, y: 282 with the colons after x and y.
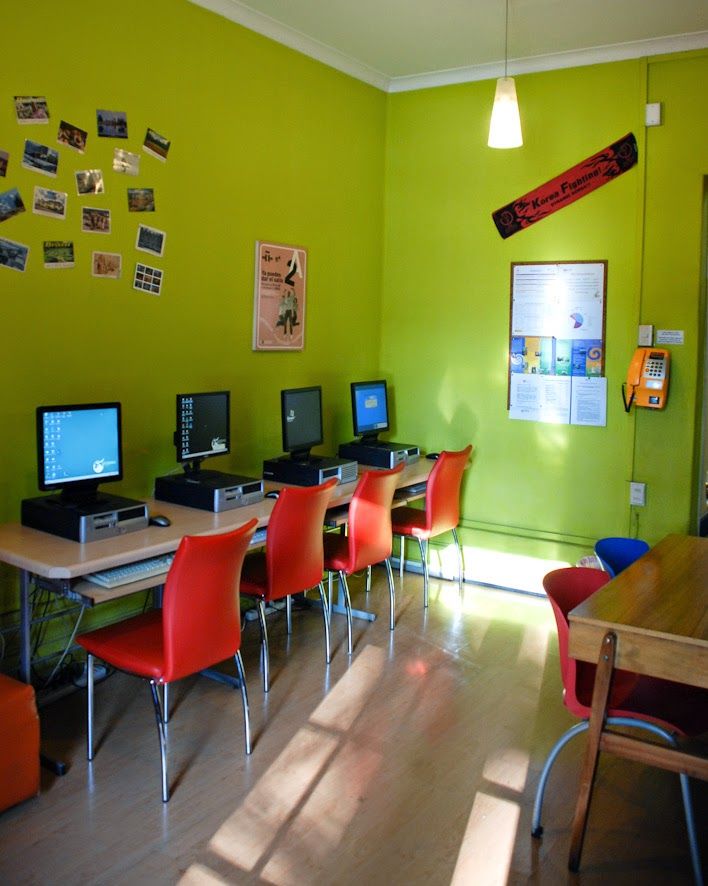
x: 647, y: 379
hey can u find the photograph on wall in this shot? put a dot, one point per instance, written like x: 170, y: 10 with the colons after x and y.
x: 50, y: 203
x: 10, y: 204
x: 4, y: 160
x: 141, y: 200
x: 40, y: 158
x: 95, y: 221
x: 89, y: 181
x: 31, y: 109
x: 106, y: 264
x: 72, y: 136
x: 112, y: 124
x: 279, y: 299
x: 58, y: 254
x: 13, y: 255
x: 150, y: 240
x: 125, y: 162
x: 147, y: 279
x: 156, y: 144
x: 557, y: 334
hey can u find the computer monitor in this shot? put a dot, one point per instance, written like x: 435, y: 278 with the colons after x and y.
x: 369, y: 408
x: 301, y: 418
x: 202, y: 428
x: 78, y: 447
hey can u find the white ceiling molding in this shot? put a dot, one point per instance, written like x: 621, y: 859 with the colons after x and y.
x: 333, y: 58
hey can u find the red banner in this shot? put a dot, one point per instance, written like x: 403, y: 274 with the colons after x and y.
x: 567, y: 187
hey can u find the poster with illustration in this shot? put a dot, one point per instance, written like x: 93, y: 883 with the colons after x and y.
x: 280, y: 293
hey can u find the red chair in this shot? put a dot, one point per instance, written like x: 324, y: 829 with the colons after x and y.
x: 441, y: 514
x: 368, y: 540
x: 199, y: 625
x: 661, y: 707
x: 293, y: 561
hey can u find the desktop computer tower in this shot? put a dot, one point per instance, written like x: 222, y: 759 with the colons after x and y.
x: 311, y: 472
x: 105, y: 517
x: 209, y: 490
x: 379, y: 454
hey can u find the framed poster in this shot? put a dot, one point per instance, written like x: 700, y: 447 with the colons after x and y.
x: 557, y: 342
x: 280, y: 295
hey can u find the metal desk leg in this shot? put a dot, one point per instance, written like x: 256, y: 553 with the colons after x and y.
x: 25, y: 654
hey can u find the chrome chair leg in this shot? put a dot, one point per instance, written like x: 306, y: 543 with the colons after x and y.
x: 323, y: 597
x: 330, y: 576
x: 244, y: 700
x: 166, y: 703
x: 460, y: 559
x: 348, y: 606
x: 89, y: 707
x: 536, y: 827
x: 401, y: 556
x: 368, y: 579
x: 289, y: 614
x: 265, y: 658
x: 391, y: 594
x: 423, y: 545
x: 161, y: 735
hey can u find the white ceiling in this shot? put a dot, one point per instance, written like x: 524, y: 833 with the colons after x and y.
x: 408, y: 44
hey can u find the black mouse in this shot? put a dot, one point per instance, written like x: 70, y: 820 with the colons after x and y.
x: 272, y: 494
x: 159, y: 520
x: 433, y: 455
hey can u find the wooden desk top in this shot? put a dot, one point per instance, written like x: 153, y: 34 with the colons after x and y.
x: 52, y: 557
x: 658, y: 607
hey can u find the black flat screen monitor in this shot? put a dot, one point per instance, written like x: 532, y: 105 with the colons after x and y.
x: 369, y: 408
x: 78, y: 447
x: 301, y: 417
x: 202, y: 427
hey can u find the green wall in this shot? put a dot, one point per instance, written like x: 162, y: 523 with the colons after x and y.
x: 265, y: 144
x: 446, y: 291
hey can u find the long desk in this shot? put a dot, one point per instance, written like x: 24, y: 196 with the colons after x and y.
x: 651, y: 619
x: 60, y: 564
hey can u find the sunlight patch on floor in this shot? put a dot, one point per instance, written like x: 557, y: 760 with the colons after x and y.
x: 487, y: 847
x: 282, y: 816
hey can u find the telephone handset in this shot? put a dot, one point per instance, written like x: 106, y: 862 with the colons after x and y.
x: 647, y: 379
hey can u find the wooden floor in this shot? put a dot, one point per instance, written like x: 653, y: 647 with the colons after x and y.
x: 414, y: 763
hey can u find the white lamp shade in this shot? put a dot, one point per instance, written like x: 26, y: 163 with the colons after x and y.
x: 505, y: 125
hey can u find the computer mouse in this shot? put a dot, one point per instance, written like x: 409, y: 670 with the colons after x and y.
x: 272, y: 494
x: 159, y: 520
x: 433, y: 455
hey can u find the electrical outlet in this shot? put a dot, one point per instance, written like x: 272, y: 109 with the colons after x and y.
x: 638, y: 494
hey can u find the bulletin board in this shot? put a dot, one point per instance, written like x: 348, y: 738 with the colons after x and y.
x: 557, y: 342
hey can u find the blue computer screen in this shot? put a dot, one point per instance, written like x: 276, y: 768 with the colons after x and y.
x: 369, y: 407
x: 78, y: 443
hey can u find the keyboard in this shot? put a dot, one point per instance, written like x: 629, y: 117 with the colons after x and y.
x: 123, y: 575
x: 259, y: 536
x: 415, y: 489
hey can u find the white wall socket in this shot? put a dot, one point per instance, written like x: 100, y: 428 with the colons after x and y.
x: 638, y: 494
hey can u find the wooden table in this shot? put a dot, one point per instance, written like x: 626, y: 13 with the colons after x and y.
x: 60, y: 564
x: 651, y: 619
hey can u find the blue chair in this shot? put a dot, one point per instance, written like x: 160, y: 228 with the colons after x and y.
x: 617, y: 554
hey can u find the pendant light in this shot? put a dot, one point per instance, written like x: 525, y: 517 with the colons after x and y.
x: 505, y: 125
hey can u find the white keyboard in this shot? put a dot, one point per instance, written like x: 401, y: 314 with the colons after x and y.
x: 123, y: 575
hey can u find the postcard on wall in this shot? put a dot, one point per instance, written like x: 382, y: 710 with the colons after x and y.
x: 50, y: 203
x: 125, y: 162
x: 106, y: 264
x: 150, y: 240
x: 4, y: 160
x: 280, y: 297
x: 40, y: 158
x: 10, y: 204
x: 95, y: 221
x: 13, y: 255
x: 89, y: 181
x: 112, y: 124
x: 72, y: 136
x: 31, y: 109
x: 58, y: 254
x: 148, y: 279
x: 141, y: 200
x: 156, y: 144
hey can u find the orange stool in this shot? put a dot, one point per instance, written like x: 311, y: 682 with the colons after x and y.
x: 19, y: 742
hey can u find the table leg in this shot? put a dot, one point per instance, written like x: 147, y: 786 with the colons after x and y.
x: 25, y: 615
x: 600, y: 696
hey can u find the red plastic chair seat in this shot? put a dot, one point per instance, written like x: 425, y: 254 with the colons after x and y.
x: 134, y: 645
x: 336, y: 552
